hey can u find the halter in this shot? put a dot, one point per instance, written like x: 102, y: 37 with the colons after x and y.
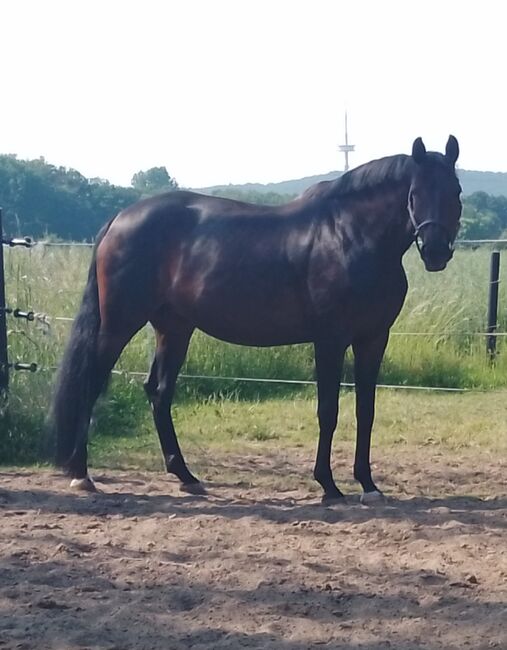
x: 428, y: 222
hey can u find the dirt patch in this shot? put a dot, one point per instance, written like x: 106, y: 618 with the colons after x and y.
x: 251, y: 566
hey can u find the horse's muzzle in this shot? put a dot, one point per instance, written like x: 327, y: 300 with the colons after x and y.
x: 435, y: 258
x: 434, y: 243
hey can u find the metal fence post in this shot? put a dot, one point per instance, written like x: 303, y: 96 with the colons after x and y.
x: 494, y: 276
x: 4, y: 361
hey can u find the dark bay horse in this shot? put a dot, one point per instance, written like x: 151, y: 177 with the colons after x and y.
x: 326, y: 268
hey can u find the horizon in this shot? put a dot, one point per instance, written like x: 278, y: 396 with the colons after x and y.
x: 226, y: 184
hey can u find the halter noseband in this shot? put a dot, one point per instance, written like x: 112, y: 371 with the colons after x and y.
x: 428, y: 222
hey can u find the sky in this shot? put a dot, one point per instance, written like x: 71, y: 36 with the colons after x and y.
x: 234, y: 91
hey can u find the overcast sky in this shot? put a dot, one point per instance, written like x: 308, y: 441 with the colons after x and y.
x: 230, y: 91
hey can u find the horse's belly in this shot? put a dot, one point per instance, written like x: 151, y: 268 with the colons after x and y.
x: 259, y: 336
x: 250, y: 322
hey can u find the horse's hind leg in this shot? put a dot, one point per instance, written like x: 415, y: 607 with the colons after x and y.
x: 151, y: 382
x: 173, y: 337
x: 109, y: 348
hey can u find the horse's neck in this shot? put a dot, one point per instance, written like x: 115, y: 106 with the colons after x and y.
x: 379, y: 217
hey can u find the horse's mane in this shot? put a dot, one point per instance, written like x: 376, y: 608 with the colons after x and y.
x: 371, y: 175
x: 363, y: 178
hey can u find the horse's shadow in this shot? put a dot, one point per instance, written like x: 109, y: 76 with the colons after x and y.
x: 469, y: 511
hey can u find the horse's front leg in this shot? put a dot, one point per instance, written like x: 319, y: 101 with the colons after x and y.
x: 329, y: 365
x: 367, y: 359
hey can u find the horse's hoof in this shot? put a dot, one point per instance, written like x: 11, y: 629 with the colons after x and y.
x: 333, y: 499
x: 83, y: 484
x: 193, y: 488
x: 372, y: 498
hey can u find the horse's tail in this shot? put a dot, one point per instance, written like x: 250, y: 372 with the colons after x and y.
x: 75, y: 384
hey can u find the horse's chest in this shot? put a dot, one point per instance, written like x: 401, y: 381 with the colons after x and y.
x: 377, y: 298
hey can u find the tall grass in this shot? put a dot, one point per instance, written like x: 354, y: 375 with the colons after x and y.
x: 450, y: 307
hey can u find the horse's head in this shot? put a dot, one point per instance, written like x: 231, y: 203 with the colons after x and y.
x: 434, y: 205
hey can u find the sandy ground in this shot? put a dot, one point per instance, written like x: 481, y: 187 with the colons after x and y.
x: 143, y: 566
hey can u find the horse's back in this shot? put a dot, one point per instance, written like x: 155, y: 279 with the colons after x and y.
x: 217, y: 262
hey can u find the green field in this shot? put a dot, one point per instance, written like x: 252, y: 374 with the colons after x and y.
x: 450, y: 307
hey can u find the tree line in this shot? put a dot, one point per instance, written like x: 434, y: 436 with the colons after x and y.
x: 41, y: 201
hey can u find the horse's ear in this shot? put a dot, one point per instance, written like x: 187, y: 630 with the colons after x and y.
x: 452, y: 150
x: 418, y: 150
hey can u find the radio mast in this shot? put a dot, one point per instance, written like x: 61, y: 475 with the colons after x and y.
x: 346, y: 148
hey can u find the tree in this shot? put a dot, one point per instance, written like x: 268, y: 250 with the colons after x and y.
x: 253, y: 196
x: 153, y: 181
x: 476, y: 224
x: 39, y: 198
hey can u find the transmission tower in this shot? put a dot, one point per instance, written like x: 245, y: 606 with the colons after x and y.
x: 346, y: 148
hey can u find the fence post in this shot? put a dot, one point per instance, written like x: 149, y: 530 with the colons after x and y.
x: 4, y: 361
x: 494, y: 276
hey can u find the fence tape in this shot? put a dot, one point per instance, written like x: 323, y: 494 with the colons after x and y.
x: 302, y: 382
x: 443, y: 333
x: 458, y: 242
x: 63, y: 243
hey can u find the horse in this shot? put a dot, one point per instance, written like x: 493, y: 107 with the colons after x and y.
x: 325, y: 268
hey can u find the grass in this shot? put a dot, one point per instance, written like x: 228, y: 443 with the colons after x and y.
x: 450, y: 307
x: 213, y: 429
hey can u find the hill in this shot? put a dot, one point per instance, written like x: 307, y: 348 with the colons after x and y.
x: 472, y: 181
